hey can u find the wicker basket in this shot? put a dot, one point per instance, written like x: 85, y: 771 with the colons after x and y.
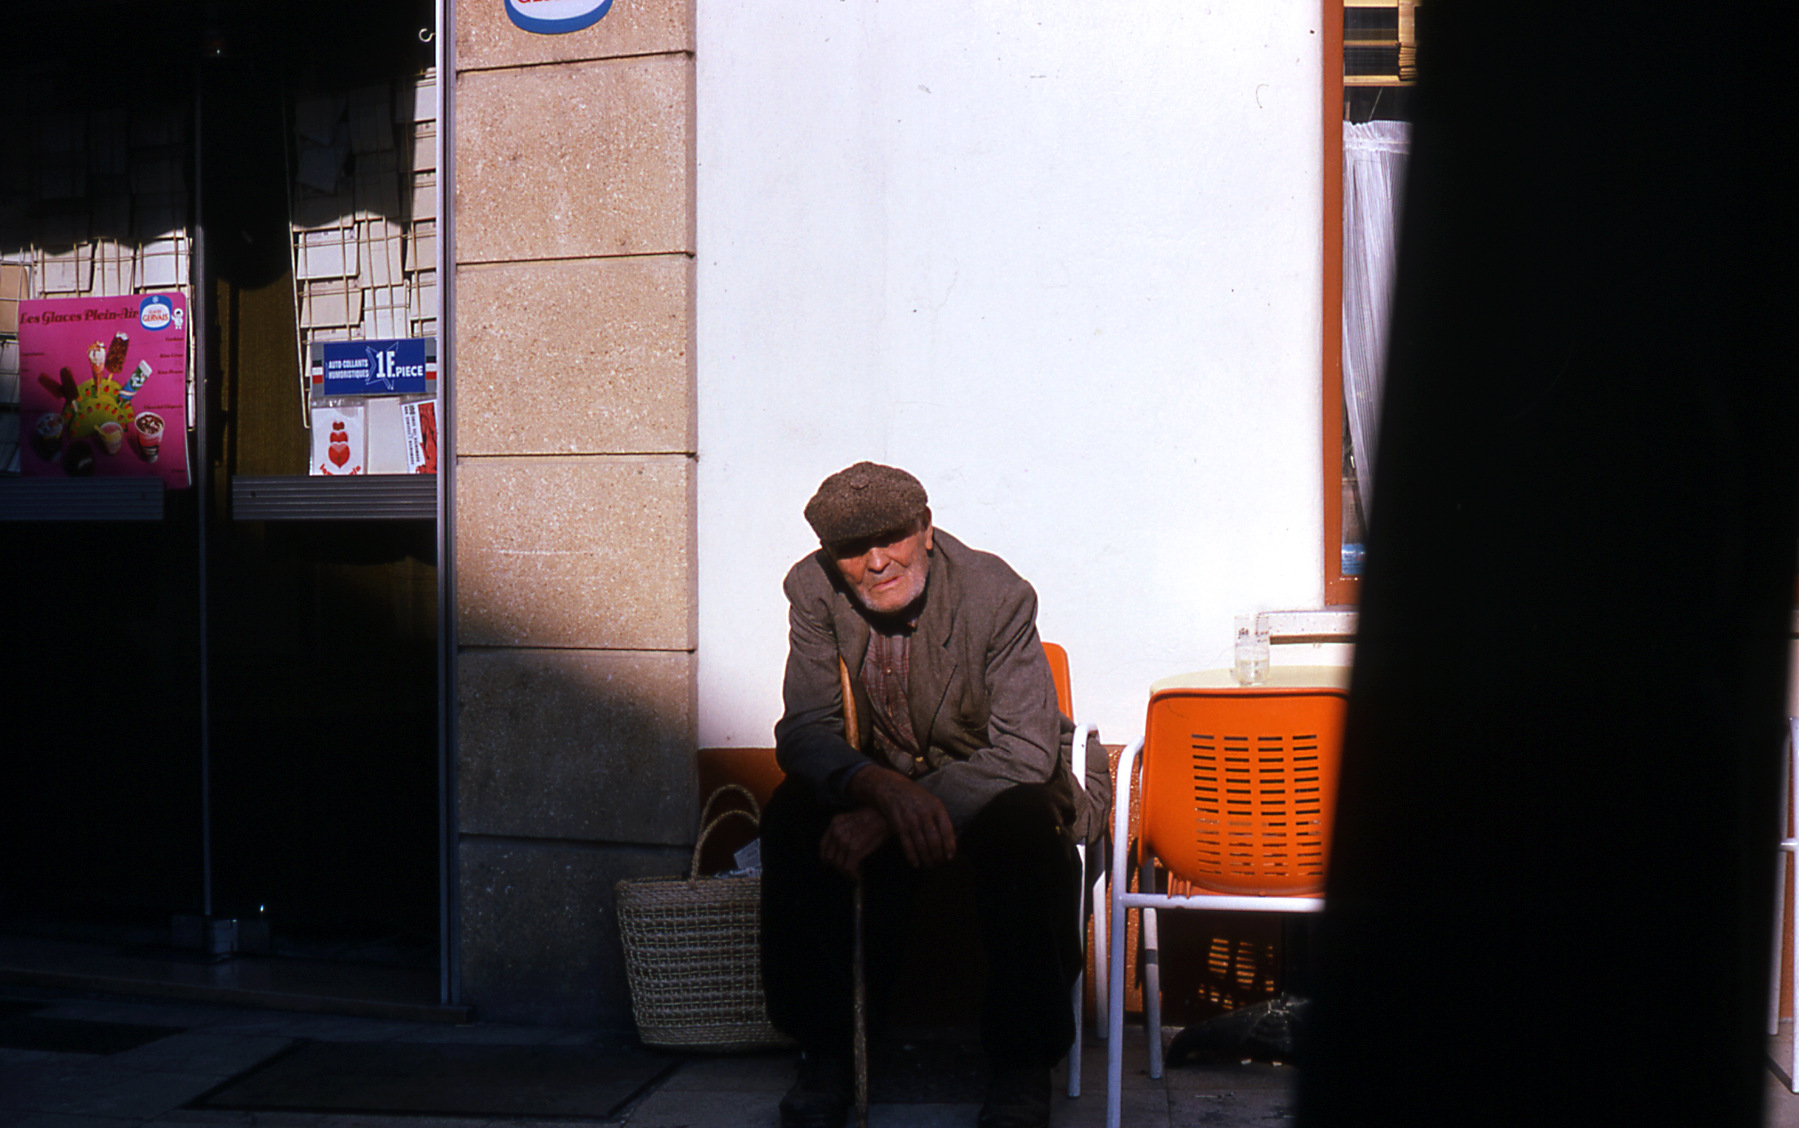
x: 693, y: 953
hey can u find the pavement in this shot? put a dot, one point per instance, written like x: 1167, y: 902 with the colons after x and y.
x: 143, y: 1061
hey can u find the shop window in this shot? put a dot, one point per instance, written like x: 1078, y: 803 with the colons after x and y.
x: 96, y: 249
x: 364, y: 229
x: 98, y: 240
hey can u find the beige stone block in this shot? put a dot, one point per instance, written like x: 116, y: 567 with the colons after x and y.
x: 575, y: 161
x: 486, y: 37
x: 594, y: 745
x: 593, y: 551
x: 575, y: 356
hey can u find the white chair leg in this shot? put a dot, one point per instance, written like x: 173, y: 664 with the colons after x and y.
x: 1152, y: 979
x: 1115, y: 1018
x: 1792, y: 942
x: 1101, y: 945
x: 1115, y: 922
x: 1793, y: 959
x: 1780, y: 896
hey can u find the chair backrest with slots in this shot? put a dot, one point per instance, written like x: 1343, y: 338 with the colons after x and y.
x: 1239, y: 787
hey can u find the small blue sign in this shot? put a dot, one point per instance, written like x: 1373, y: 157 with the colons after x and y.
x: 556, y: 17
x: 375, y: 368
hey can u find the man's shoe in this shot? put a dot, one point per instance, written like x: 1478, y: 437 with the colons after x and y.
x: 821, y: 1098
x: 1017, y: 1097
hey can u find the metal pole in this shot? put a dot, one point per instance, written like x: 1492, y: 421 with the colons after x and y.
x: 199, y: 324
x: 449, y: 960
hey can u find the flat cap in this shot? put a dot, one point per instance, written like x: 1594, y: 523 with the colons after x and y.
x: 863, y: 500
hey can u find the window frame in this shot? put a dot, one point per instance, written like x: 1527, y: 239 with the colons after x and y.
x: 1339, y: 589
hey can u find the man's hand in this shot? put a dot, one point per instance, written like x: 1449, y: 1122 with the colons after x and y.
x: 919, y: 818
x: 852, y: 836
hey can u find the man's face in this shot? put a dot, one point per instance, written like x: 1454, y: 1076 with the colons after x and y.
x: 886, y: 571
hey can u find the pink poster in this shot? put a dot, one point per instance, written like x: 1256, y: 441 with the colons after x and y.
x: 103, y: 387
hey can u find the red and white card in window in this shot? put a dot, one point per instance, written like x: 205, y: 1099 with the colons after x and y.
x: 339, y: 441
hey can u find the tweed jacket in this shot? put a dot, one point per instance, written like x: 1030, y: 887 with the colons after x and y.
x: 982, y: 700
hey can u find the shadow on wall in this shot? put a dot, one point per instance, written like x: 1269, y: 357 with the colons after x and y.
x: 575, y: 769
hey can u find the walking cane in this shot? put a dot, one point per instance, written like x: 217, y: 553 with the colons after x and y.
x: 861, y: 1015
x: 859, y: 1041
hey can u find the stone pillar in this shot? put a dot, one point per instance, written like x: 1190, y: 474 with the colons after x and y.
x: 575, y: 494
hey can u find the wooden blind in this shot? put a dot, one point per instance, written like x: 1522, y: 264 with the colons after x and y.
x: 1380, y: 42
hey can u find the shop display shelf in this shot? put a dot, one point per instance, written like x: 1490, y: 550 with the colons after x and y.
x: 363, y: 497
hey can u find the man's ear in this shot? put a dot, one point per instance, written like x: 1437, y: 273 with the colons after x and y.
x: 927, y: 529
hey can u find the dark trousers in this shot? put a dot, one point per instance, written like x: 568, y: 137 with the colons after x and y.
x: 1028, y: 888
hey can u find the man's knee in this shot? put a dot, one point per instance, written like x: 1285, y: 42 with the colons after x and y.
x: 1022, y: 823
x: 794, y: 818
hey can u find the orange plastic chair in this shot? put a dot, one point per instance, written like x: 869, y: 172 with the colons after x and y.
x: 1058, y: 671
x: 1094, y: 897
x: 1238, y: 787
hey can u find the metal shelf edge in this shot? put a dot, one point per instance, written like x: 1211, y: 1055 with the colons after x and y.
x: 373, y: 497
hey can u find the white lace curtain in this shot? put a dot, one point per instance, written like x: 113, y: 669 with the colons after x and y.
x: 1374, y: 156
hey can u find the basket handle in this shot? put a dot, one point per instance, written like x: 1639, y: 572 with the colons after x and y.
x: 754, y: 814
x: 755, y: 811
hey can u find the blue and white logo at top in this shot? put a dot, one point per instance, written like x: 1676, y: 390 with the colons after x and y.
x: 556, y: 17
x: 375, y: 368
x: 156, y: 312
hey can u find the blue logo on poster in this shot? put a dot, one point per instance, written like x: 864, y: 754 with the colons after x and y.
x: 375, y: 368
x: 156, y: 312
x: 556, y: 17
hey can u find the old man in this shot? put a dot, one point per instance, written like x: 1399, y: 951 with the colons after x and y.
x: 963, y: 754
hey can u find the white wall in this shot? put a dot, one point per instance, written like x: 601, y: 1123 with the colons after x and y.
x: 1058, y: 259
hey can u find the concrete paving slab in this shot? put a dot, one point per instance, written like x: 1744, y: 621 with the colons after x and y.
x: 756, y: 1073
x: 181, y: 1015
x: 189, y: 1118
x: 1246, y: 1108
x: 207, y: 1118
x: 451, y: 1081
x: 688, y: 1109
x: 1136, y: 1064
x: 219, y: 1055
x: 483, y: 1034
x: 247, y: 1021
x: 1142, y: 1108
x: 1782, y: 1107
x: 56, y: 1120
x: 376, y: 1120
x: 288, y: 1118
x: 45, y: 1058
x: 95, y: 1089
x: 331, y: 1028
x: 28, y: 992
x: 922, y: 1115
x: 1254, y: 1076
x: 212, y: 1118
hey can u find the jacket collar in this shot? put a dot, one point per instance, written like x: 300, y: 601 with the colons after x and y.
x: 933, y: 662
